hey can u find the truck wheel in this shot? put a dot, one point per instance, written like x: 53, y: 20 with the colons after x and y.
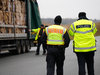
x: 18, y: 47
x: 23, y: 47
x: 27, y: 46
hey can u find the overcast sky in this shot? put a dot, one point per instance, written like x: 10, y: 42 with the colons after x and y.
x: 69, y: 8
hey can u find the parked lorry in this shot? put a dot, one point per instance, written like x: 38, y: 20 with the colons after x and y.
x: 16, y: 18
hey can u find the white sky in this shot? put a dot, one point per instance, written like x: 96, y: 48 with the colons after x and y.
x: 69, y: 8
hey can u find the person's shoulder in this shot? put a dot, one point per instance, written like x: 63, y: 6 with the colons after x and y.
x: 90, y: 21
x: 51, y: 25
x: 48, y: 27
x: 59, y: 26
x: 62, y: 27
x: 75, y: 22
x: 82, y: 20
x: 38, y: 28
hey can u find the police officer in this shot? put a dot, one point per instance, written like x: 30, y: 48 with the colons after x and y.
x: 84, y: 44
x: 39, y: 34
x: 45, y: 42
x: 57, y: 40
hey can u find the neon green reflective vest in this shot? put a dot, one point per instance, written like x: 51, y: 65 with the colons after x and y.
x: 55, y: 35
x: 37, y: 32
x: 83, y: 32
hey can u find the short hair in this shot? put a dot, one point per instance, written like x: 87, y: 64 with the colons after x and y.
x: 58, y: 19
x: 82, y: 14
x: 42, y: 25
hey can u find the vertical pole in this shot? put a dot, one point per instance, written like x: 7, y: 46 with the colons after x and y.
x: 13, y: 19
x: 28, y: 18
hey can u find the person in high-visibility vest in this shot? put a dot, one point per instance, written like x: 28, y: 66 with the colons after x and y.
x: 39, y: 34
x: 84, y: 43
x: 44, y: 42
x: 57, y: 39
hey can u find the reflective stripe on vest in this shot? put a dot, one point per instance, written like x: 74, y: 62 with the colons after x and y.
x: 94, y: 28
x: 73, y: 27
x: 56, y: 40
x: 58, y: 31
x: 81, y: 31
x: 85, y: 47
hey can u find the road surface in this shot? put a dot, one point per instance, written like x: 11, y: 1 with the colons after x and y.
x: 30, y: 64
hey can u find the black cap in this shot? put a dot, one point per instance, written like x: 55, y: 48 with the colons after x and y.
x: 82, y: 14
x: 42, y: 25
x: 58, y: 19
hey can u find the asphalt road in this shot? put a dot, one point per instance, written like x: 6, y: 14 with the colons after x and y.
x: 30, y: 64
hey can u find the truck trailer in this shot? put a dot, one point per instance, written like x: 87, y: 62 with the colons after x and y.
x: 16, y: 18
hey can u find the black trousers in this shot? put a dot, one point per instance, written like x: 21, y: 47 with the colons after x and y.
x: 55, y: 57
x: 38, y: 47
x: 85, y: 58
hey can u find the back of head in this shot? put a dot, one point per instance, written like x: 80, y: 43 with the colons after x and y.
x: 58, y: 20
x: 42, y: 26
x: 82, y: 15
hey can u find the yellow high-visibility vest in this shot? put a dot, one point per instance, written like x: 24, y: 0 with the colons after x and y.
x: 37, y: 32
x: 83, y: 32
x: 55, y: 35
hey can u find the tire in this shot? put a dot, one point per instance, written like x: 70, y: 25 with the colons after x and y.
x: 18, y: 47
x: 27, y: 46
x: 23, y: 48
